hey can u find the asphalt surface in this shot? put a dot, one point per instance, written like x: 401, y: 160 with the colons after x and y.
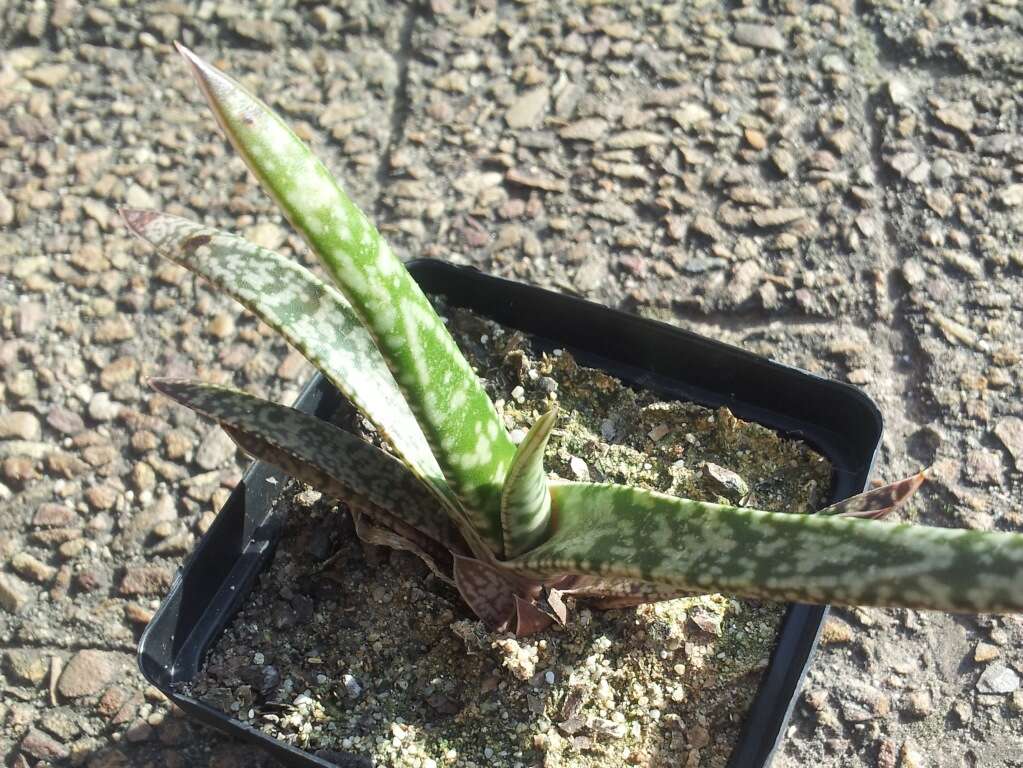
x: 835, y: 185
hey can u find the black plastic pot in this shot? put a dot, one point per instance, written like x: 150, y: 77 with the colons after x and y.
x: 836, y: 419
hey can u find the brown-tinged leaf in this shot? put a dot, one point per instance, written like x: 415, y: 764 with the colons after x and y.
x: 529, y: 619
x: 879, y: 502
x: 369, y: 531
x: 488, y: 591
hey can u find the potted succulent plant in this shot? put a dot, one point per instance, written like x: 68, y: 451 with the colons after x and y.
x: 455, y: 490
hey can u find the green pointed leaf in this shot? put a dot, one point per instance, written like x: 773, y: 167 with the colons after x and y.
x: 311, y: 316
x: 458, y: 419
x: 879, y: 502
x: 526, y: 500
x: 330, y: 459
x: 616, y: 531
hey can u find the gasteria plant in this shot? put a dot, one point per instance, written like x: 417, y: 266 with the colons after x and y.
x: 455, y: 490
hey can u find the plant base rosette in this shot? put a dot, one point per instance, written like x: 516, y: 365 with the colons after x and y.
x: 668, y: 681
x: 650, y: 356
x: 408, y: 675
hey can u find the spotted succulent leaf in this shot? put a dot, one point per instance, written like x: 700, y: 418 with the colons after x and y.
x: 628, y: 533
x: 526, y: 500
x: 458, y: 419
x: 313, y: 451
x: 310, y: 315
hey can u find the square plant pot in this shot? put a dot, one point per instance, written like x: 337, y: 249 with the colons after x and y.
x: 837, y: 420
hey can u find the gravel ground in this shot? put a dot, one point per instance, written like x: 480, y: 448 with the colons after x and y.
x: 839, y: 186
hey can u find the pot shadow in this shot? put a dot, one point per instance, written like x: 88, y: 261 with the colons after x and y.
x: 176, y: 742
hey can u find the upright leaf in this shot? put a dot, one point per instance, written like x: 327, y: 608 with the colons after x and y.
x: 318, y: 453
x: 526, y: 500
x: 311, y: 315
x: 622, y: 532
x: 458, y: 419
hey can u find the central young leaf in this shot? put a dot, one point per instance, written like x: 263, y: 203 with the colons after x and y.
x: 526, y: 499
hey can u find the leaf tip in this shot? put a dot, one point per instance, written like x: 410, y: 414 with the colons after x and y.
x: 551, y: 415
x: 167, y: 386
x: 228, y: 99
x: 189, y: 55
x: 213, y: 83
x: 137, y: 219
x: 159, y: 383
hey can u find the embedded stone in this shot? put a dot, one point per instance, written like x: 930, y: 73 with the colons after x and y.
x: 1012, y: 195
x: 32, y: 568
x: 528, y: 108
x: 636, y: 140
x: 121, y: 370
x: 146, y: 580
x: 998, y: 678
x: 760, y: 36
x: 43, y: 747
x: 101, y: 497
x: 114, y: 330
x: 899, y: 92
x: 958, y: 118
x: 21, y: 425
x: 65, y: 421
x: 775, y: 217
x: 215, y: 449
x: 26, y: 666
x: 15, y: 594
x: 87, y: 673
x: 102, y: 408
x: 52, y: 515
x: 589, y: 129
x: 725, y: 482
x: 690, y: 115
x: 985, y: 652
x: 48, y: 75
x: 1010, y: 431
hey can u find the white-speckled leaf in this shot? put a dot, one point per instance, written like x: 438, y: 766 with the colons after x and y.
x: 628, y: 533
x: 526, y: 501
x: 311, y: 316
x: 320, y: 454
x: 489, y: 590
x: 459, y: 421
x: 599, y: 592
